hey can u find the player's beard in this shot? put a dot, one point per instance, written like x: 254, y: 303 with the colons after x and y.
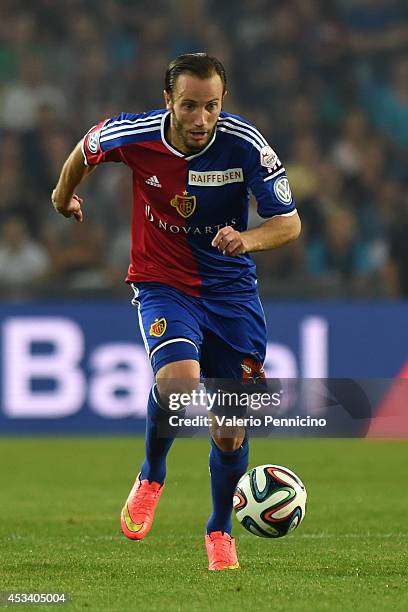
x: 182, y: 133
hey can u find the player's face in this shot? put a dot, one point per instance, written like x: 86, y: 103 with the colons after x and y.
x: 195, y: 105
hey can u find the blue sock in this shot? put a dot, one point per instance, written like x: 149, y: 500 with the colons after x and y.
x: 225, y: 469
x: 157, y: 447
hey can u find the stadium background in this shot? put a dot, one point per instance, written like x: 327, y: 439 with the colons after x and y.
x: 327, y: 84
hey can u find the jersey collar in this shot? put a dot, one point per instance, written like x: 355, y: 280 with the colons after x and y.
x: 178, y: 153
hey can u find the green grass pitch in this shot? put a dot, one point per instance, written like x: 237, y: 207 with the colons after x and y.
x: 59, y: 529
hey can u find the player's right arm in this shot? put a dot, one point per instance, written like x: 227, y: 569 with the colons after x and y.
x: 104, y: 142
x: 64, y: 198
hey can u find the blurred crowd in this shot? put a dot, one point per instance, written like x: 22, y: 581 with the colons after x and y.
x: 325, y: 81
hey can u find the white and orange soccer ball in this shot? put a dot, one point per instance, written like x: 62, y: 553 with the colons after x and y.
x: 270, y: 501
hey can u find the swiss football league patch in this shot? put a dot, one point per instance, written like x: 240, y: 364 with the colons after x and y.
x: 282, y: 191
x: 93, y: 141
x: 158, y: 328
x: 268, y: 157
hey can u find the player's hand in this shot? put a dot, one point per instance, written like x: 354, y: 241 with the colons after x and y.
x: 72, y: 210
x: 230, y: 242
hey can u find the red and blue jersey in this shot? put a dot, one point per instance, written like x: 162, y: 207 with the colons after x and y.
x: 180, y: 201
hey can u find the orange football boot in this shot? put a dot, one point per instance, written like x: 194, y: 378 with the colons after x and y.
x: 221, y: 551
x: 138, y: 512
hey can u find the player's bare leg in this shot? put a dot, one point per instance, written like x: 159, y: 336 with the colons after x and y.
x: 138, y: 512
x: 228, y: 439
x: 177, y: 377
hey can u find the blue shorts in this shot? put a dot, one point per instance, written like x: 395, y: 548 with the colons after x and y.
x: 227, y: 337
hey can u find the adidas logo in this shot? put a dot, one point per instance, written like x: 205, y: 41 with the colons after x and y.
x: 153, y: 181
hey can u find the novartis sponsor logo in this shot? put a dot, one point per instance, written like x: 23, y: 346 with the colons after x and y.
x: 165, y: 226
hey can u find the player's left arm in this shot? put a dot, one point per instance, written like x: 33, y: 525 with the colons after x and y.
x: 269, y: 235
x: 266, y: 178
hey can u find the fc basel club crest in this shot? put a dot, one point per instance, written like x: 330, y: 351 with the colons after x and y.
x: 185, y: 204
x: 158, y: 327
x: 252, y: 370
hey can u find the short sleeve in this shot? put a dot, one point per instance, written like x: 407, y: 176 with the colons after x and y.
x: 267, y: 179
x: 97, y: 150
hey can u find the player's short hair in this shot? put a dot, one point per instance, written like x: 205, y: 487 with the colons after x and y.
x: 200, y: 65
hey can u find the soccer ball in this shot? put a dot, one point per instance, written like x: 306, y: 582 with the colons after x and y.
x: 270, y: 501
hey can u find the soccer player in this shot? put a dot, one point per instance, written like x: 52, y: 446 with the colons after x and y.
x: 193, y: 279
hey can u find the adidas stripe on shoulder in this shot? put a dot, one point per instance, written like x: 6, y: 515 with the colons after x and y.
x: 234, y: 125
x: 130, y: 125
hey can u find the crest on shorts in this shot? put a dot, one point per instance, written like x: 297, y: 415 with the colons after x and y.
x: 185, y: 204
x: 252, y: 370
x: 158, y: 327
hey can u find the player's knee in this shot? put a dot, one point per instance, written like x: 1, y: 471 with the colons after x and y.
x: 175, y: 392
x: 177, y: 379
x: 229, y: 444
